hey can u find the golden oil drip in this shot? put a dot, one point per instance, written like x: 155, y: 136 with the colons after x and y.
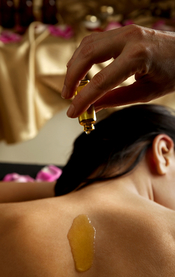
x: 81, y: 238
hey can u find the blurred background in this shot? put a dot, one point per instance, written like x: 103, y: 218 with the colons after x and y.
x: 37, y: 38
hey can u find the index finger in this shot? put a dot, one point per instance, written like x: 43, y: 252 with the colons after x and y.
x: 104, y: 81
x: 95, y: 48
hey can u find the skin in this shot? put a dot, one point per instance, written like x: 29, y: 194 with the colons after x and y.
x: 146, y: 53
x: 133, y: 217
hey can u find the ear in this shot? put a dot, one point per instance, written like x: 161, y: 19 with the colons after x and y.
x: 163, y: 153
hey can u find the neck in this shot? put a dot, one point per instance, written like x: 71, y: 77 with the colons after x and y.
x: 137, y: 181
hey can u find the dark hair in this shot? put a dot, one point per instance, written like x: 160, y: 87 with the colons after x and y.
x: 119, y: 142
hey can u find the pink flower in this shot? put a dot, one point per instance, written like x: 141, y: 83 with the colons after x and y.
x: 49, y: 173
x: 8, y: 37
x: 15, y: 177
x: 128, y: 22
x: 63, y: 31
x: 161, y: 25
x: 113, y: 25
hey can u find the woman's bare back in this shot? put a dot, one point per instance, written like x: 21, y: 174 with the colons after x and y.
x: 134, y: 236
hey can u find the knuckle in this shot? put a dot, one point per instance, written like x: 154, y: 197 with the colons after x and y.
x: 137, y: 31
x: 87, y: 45
x: 81, y: 100
x: 68, y: 77
x: 141, y: 57
x: 87, y: 50
x: 87, y: 39
x: 69, y: 63
x: 68, y: 82
x: 143, y: 52
x: 84, y: 41
x: 137, y: 34
x: 98, y: 81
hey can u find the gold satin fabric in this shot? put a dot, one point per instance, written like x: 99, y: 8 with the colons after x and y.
x: 31, y: 78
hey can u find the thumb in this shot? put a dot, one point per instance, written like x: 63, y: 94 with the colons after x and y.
x: 139, y: 91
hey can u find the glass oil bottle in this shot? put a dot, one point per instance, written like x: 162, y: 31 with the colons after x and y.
x: 88, y: 118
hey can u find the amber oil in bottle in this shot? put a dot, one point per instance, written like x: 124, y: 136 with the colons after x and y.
x: 88, y: 118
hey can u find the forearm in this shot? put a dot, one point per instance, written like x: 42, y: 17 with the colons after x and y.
x: 18, y: 192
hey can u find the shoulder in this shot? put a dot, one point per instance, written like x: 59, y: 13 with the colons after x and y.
x: 138, y: 234
x: 10, y: 236
x: 34, y: 233
x: 10, y: 217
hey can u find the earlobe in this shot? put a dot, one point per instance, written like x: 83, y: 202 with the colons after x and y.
x: 163, y: 152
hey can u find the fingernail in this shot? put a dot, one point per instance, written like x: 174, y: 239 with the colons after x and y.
x: 70, y: 111
x: 63, y: 93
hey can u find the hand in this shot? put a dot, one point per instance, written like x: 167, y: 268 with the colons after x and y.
x: 139, y: 51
